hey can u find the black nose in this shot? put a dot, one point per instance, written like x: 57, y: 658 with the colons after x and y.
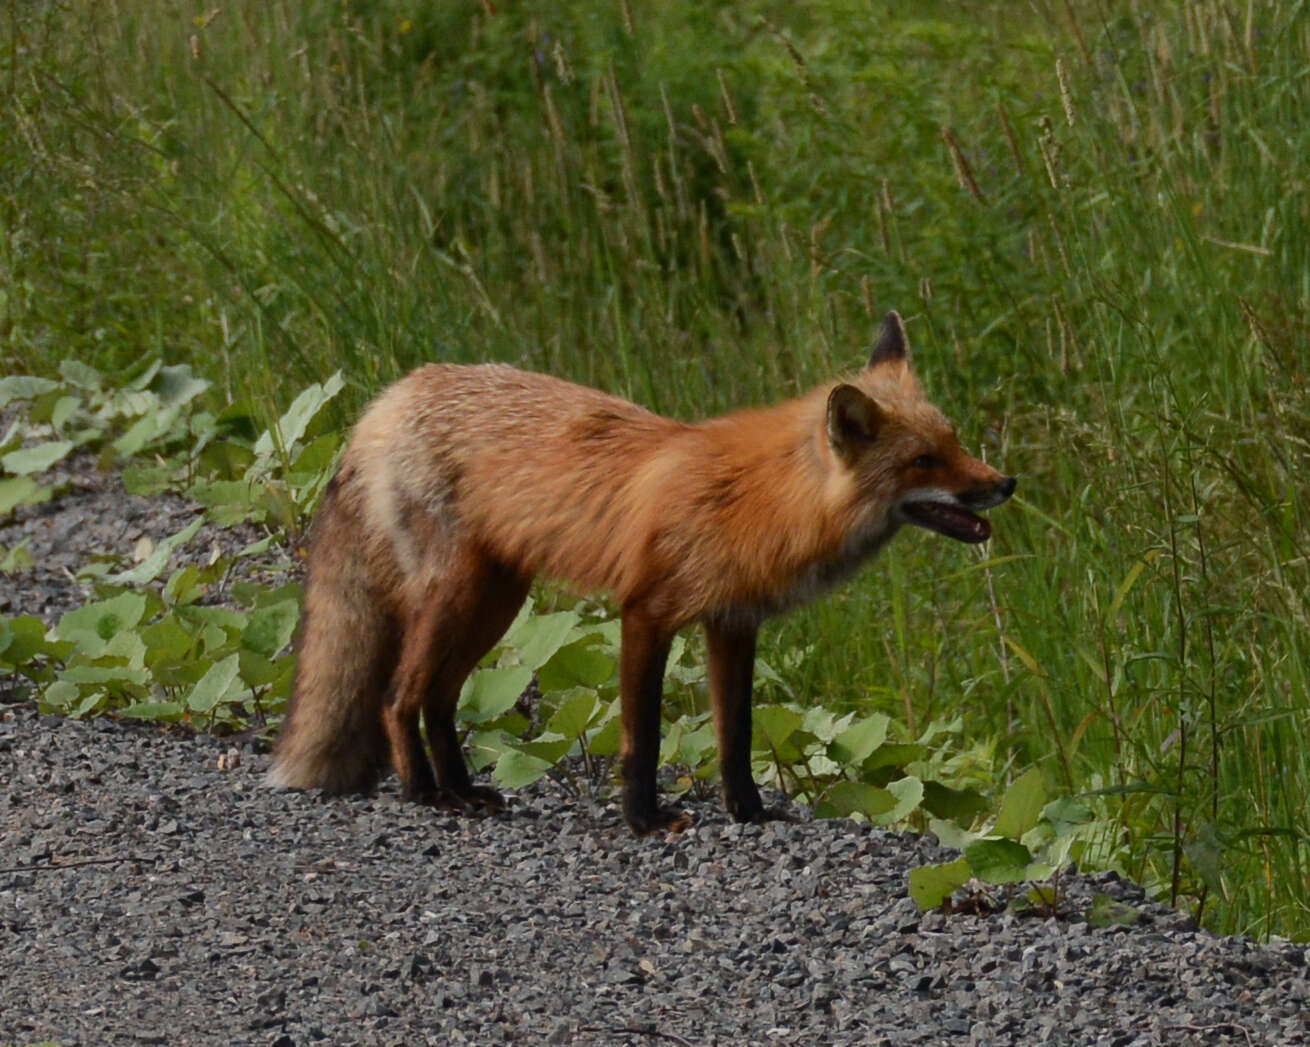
x: 1007, y: 486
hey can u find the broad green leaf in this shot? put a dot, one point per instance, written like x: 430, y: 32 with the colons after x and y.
x: 163, y: 711
x: 949, y: 834
x: 255, y: 548
x: 1022, y: 806
x: 21, y: 490
x: 855, y: 744
x: 539, y: 637
x: 318, y: 455
x: 1057, y: 851
x: 998, y: 861
x: 687, y: 742
x: 104, y: 618
x: 225, y: 497
x: 64, y: 409
x: 183, y: 586
x: 604, y: 740
x: 15, y: 559
x: 27, y: 638
x: 276, y: 501
x: 847, y: 798
x: 147, y: 478
x: 225, y: 460
x: 960, y: 805
x: 137, y: 380
x: 292, y: 425
x: 127, y: 644
x: 270, y: 628
x: 698, y: 745
x: 60, y: 695
x: 824, y: 724
x: 149, y: 568
x: 145, y: 430
x: 490, y: 692
x: 895, y: 754
x: 106, y: 674
x: 37, y: 458
x: 908, y: 792
x: 166, y: 637
x: 24, y: 387
x: 578, y: 664
x: 89, y: 703
x: 776, y: 724
x: 516, y: 769
x: 1067, y: 815
x: 170, y: 670
x: 218, y: 683
x: 930, y: 885
x: 548, y: 746
x: 79, y: 374
x: 177, y: 385
x: 574, y: 716
x: 258, y: 671
x: 231, y: 621
x: 12, y: 439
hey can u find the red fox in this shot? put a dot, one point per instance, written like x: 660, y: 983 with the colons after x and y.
x: 462, y: 483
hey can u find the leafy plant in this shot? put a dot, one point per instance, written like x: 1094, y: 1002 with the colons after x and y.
x: 1029, y: 841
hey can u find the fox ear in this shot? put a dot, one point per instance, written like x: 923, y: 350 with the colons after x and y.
x: 892, y: 343
x: 853, y: 420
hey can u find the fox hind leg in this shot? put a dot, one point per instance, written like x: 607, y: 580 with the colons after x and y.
x: 500, y: 594
x: 450, y: 623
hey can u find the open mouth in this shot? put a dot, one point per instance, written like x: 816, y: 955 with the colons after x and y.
x: 948, y: 519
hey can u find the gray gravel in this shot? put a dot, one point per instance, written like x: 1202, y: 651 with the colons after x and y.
x: 153, y: 891
x: 150, y: 896
x: 93, y: 516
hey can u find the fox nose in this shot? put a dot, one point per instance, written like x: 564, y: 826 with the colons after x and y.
x: 1007, y: 486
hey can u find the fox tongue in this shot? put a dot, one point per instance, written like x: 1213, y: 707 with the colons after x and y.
x: 949, y: 520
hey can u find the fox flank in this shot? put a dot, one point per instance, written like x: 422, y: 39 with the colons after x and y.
x: 462, y: 483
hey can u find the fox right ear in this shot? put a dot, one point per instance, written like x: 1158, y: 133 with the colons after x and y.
x: 892, y: 343
x: 853, y: 420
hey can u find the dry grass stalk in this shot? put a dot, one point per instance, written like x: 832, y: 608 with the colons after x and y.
x: 963, y: 172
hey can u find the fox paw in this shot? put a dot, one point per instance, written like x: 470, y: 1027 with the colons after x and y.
x: 766, y: 814
x: 474, y: 798
x: 661, y: 819
x: 482, y: 798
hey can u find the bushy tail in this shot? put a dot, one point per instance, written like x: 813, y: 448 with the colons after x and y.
x: 333, y: 738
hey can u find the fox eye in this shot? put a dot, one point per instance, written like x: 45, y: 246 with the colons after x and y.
x: 926, y: 461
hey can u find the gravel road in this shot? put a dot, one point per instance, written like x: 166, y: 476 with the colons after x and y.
x: 149, y: 895
x: 152, y: 890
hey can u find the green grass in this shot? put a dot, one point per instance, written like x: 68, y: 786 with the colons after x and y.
x: 1104, y: 268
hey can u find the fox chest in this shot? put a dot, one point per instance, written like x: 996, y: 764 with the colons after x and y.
x: 811, y: 579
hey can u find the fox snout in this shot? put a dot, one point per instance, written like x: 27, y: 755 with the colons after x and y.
x: 955, y: 513
x: 988, y: 496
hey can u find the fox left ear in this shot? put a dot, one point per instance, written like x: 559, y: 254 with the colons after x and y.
x: 853, y: 420
x: 892, y: 343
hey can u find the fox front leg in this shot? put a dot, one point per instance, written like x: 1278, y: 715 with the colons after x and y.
x: 731, y: 669
x: 645, y: 650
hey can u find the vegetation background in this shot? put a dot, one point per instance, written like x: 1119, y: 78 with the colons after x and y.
x: 1094, y: 216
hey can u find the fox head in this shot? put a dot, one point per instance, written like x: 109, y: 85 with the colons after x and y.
x: 902, y: 453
